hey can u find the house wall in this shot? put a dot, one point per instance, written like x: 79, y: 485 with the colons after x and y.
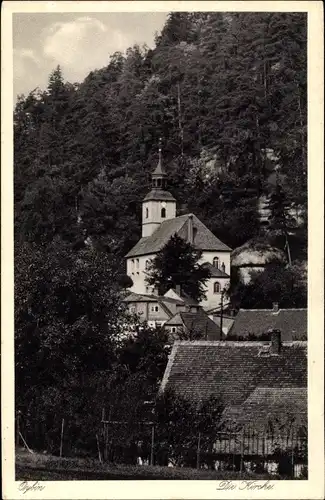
x: 213, y: 299
x: 147, y: 312
x: 154, y: 219
x: 136, y: 269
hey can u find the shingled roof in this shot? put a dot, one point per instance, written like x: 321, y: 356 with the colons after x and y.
x: 291, y: 322
x: 203, y: 238
x: 159, y: 194
x: 267, y: 405
x: 231, y: 371
x: 198, y: 321
x: 214, y: 271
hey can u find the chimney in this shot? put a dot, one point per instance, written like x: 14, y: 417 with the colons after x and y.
x: 275, y: 341
x: 178, y: 290
x: 275, y: 306
x: 190, y: 229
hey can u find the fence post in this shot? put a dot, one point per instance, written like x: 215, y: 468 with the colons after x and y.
x: 61, y: 441
x: 152, y: 443
x: 98, y: 448
x: 198, y: 451
x: 242, y: 450
x: 292, y: 455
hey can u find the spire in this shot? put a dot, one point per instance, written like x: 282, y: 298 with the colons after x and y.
x: 159, y: 174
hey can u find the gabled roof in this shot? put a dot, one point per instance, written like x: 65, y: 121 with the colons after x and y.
x: 231, y: 371
x: 203, y: 239
x: 182, y: 297
x: 291, y: 322
x: 227, y: 322
x: 196, y: 321
x: 137, y: 297
x: 215, y: 272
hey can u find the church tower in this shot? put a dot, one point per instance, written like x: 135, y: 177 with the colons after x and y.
x: 158, y: 205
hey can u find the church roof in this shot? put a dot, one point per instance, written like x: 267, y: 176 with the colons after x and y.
x: 159, y: 170
x: 159, y: 194
x: 203, y: 238
x: 215, y: 272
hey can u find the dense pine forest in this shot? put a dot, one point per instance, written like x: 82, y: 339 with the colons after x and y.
x: 227, y: 93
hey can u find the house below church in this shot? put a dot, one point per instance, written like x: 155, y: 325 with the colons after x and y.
x: 159, y: 224
x: 181, y: 316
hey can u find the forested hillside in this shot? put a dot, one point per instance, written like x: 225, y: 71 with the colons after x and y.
x: 227, y: 94
x: 221, y: 90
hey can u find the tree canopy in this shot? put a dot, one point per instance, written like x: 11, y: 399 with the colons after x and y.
x: 177, y: 264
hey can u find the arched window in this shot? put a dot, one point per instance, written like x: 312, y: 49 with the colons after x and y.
x: 146, y: 264
x: 223, y: 267
x: 216, y: 287
x: 158, y: 182
x: 163, y: 213
x: 216, y: 262
x: 147, y: 213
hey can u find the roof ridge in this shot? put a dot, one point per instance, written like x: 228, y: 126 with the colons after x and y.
x: 280, y: 309
x: 235, y: 343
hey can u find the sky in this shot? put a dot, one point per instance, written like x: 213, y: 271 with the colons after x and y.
x: 78, y: 42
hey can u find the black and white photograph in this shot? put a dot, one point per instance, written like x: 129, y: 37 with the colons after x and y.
x: 161, y: 248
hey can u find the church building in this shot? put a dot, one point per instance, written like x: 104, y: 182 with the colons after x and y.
x: 159, y: 224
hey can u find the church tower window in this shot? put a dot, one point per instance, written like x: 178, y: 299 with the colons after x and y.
x: 147, y: 213
x: 216, y: 287
x: 163, y: 213
x: 216, y: 262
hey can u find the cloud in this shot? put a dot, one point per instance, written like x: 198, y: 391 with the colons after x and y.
x: 82, y: 45
x: 23, y: 59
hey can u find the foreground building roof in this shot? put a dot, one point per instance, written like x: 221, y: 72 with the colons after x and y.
x: 256, y: 322
x: 244, y: 376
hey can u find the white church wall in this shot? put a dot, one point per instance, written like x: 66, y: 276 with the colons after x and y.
x: 136, y: 269
x: 213, y: 299
x: 224, y: 257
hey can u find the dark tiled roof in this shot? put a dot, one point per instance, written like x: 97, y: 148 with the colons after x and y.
x: 176, y: 320
x: 215, y: 272
x: 159, y: 194
x: 268, y: 404
x: 231, y: 371
x: 159, y: 170
x: 196, y: 321
x: 291, y: 322
x: 137, y: 297
x: 204, y: 239
x: 162, y: 300
x: 202, y: 324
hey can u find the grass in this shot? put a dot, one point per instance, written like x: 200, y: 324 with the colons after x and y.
x: 33, y: 467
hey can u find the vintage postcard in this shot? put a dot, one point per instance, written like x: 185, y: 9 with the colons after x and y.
x: 162, y: 250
